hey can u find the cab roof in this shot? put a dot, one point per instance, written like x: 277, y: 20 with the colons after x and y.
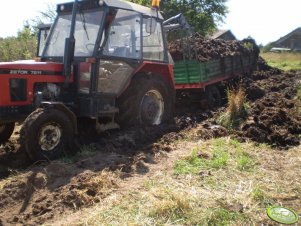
x: 132, y: 6
x: 120, y: 4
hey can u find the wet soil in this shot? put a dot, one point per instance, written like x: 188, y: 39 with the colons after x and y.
x: 42, y: 190
x: 275, y: 117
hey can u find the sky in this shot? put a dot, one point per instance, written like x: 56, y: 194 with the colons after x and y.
x: 264, y: 20
x: 13, y: 14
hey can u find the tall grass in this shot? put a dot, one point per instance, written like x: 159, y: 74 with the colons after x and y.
x: 237, y: 109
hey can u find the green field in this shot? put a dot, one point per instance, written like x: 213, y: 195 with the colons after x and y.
x: 285, y: 61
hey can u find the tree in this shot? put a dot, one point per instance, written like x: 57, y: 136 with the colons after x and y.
x: 22, y: 47
x: 49, y: 15
x: 44, y: 17
x: 203, y: 15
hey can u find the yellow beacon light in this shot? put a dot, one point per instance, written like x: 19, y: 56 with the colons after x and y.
x: 156, y: 4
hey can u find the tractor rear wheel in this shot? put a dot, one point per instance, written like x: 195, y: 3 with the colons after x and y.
x: 148, y: 101
x: 46, y: 134
x: 6, y: 130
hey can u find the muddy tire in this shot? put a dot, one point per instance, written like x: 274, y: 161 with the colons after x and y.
x: 148, y: 101
x: 213, y: 97
x: 46, y: 134
x: 6, y: 130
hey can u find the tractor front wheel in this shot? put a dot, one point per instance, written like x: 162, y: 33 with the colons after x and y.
x: 46, y: 134
x: 6, y: 130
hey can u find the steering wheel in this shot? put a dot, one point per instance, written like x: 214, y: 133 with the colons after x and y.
x: 90, y: 49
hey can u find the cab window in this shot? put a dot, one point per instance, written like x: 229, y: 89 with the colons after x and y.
x: 153, y: 44
x: 124, y: 36
x: 43, y: 34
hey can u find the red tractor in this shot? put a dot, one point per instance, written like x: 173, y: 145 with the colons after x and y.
x: 103, y: 60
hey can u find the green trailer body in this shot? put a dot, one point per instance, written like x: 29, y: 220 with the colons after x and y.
x: 194, y: 74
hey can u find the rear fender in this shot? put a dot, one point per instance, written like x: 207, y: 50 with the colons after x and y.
x: 153, y: 69
x: 165, y: 70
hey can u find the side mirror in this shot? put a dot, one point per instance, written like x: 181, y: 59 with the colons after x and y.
x: 150, y: 25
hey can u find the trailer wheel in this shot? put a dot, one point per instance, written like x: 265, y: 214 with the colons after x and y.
x: 6, y: 130
x: 148, y: 101
x: 46, y: 134
x: 213, y: 97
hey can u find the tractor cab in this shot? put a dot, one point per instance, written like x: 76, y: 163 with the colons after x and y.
x: 102, y: 44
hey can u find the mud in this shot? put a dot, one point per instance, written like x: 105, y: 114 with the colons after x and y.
x: 39, y: 192
x: 44, y: 190
x: 275, y: 118
x: 50, y: 190
x: 208, y: 131
x: 12, y: 158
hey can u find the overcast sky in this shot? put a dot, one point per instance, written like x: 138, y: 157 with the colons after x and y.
x: 264, y: 20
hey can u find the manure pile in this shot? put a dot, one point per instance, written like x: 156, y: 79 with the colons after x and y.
x: 204, y: 49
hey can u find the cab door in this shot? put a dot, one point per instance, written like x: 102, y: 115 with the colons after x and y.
x: 121, y: 53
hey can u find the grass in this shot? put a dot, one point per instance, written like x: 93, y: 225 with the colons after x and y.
x: 237, y: 109
x: 245, y: 162
x: 220, y: 216
x: 285, y: 61
x: 84, y: 152
x: 170, y: 205
x: 258, y: 194
x: 194, y: 163
x: 242, y: 180
x: 165, y: 204
x: 222, y: 154
x: 191, y: 164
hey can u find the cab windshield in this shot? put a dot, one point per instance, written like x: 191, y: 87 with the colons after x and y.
x: 86, y: 31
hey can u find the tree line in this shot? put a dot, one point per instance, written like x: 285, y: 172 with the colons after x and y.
x: 21, y: 47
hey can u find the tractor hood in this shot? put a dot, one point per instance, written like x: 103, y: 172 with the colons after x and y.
x: 31, y: 68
